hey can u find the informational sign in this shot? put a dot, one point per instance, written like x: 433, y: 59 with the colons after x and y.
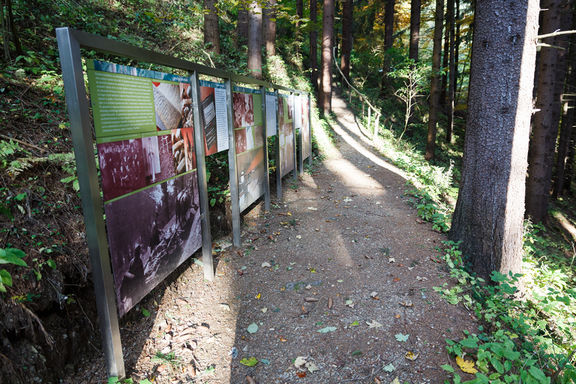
x: 144, y: 130
x: 297, y: 105
x: 305, y: 131
x: 286, y: 134
x: 249, y: 141
x: 271, y: 114
x: 213, y: 99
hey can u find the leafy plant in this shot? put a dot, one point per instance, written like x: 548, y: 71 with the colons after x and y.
x: 9, y: 256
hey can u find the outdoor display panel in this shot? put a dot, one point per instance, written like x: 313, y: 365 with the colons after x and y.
x: 144, y: 126
x: 249, y: 145
x: 271, y: 114
x: 305, y: 131
x: 286, y: 134
x: 213, y: 106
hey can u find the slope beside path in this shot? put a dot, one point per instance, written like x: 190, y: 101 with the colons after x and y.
x: 333, y: 285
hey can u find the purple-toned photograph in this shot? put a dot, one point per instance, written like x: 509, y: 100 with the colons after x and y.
x: 129, y: 165
x: 240, y: 139
x: 243, y: 106
x: 251, y: 176
x: 150, y: 233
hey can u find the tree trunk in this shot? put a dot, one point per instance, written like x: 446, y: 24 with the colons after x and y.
x: 569, y: 106
x: 489, y: 214
x: 550, y: 77
x: 347, y: 37
x: 211, y: 32
x: 569, y: 169
x: 325, y: 94
x: 434, y: 103
x: 314, y: 45
x: 415, y: 6
x: 456, y: 49
x: 242, y: 26
x: 445, y: 57
x: 388, y: 41
x: 269, y: 20
x: 255, y: 40
x: 451, y: 71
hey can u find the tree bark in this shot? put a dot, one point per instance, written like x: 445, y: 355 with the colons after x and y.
x: 242, y: 26
x: 550, y: 77
x: 569, y: 168
x: 347, y: 37
x: 415, y: 7
x: 255, y: 40
x: 445, y: 57
x: 489, y: 213
x: 389, y: 24
x: 325, y: 94
x: 568, y: 109
x: 314, y: 45
x: 450, y: 24
x: 434, y: 102
x: 269, y: 20
x: 211, y: 32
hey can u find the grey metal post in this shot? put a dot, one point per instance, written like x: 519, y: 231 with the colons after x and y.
x: 294, y: 141
x: 376, y: 126
x: 278, y: 158
x: 369, y: 118
x: 202, y: 182
x: 233, y: 168
x: 310, y: 127
x: 78, y: 111
x: 265, y: 141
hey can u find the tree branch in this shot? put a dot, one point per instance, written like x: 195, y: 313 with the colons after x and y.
x: 554, y: 34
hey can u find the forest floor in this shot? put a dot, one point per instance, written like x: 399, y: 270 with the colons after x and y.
x: 333, y: 285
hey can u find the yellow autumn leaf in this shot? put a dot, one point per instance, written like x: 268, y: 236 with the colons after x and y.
x: 466, y: 366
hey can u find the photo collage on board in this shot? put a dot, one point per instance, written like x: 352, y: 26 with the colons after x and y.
x: 249, y: 142
x: 148, y: 177
x: 286, y: 135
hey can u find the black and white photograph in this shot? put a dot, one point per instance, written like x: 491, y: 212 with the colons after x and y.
x: 150, y: 233
x: 129, y: 165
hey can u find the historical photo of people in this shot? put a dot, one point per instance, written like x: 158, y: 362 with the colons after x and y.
x: 150, y: 233
x: 129, y: 165
x: 173, y: 105
x: 243, y: 106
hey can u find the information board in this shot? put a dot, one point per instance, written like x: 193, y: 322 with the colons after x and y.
x: 286, y: 134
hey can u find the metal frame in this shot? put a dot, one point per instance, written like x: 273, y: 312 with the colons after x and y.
x: 294, y: 139
x: 265, y: 141
x: 70, y: 42
x: 277, y: 148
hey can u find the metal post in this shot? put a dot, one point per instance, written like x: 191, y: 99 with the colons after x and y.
x: 202, y: 182
x: 294, y: 141
x: 277, y: 144
x: 369, y: 118
x: 233, y: 169
x: 310, y: 127
x: 78, y: 111
x: 376, y: 126
x: 265, y: 149
x: 301, y: 144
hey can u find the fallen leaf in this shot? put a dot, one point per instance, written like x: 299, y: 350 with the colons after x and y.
x: 354, y: 323
x: 326, y: 330
x: 330, y: 303
x: 391, y: 259
x: 266, y: 264
x: 395, y: 381
x: 357, y: 353
x: 411, y: 355
x: 265, y: 361
x: 406, y: 303
x: 258, y: 296
x: 373, y: 294
x: 264, y: 310
x: 249, y: 362
x: 466, y: 366
x: 300, y: 361
x: 250, y: 380
x: 373, y: 324
x: 312, y: 208
x: 401, y: 337
x: 252, y: 328
x: 377, y: 381
x: 389, y: 368
x: 396, y: 279
x: 298, y: 237
x: 311, y: 367
x: 282, y: 339
x: 301, y: 374
x: 349, y: 303
x: 311, y: 300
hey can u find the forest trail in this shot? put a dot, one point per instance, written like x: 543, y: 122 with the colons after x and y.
x: 338, y: 279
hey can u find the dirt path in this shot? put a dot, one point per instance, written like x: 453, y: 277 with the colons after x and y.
x: 340, y: 274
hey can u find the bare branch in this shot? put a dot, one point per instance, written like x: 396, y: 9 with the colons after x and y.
x: 554, y: 34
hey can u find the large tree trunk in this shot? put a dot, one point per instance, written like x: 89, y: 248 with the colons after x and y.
x: 270, y: 27
x: 325, y: 94
x: 211, y: 32
x: 415, y: 6
x: 450, y: 25
x: 242, y: 26
x: 550, y: 77
x: 388, y: 40
x: 434, y: 102
x: 255, y: 40
x: 347, y: 36
x: 489, y: 214
x: 445, y: 57
x: 314, y: 45
x: 569, y: 168
x: 568, y: 109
